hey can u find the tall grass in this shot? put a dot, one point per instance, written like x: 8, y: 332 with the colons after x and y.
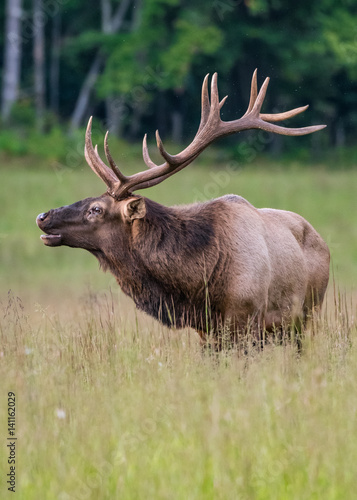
x: 111, y: 405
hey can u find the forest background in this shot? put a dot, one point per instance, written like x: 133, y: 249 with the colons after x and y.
x: 138, y: 65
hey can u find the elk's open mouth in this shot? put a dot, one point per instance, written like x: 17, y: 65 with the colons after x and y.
x: 52, y: 240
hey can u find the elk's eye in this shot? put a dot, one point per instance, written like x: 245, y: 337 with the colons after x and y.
x: 95, y: 211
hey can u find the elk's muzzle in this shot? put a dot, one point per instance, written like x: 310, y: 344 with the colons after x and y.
x: 51, y: 240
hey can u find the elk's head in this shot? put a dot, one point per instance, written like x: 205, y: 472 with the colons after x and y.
x: 92, y: 222
x: 89, y: 223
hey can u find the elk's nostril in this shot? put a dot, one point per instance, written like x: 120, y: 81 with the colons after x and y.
x: 42, y: 217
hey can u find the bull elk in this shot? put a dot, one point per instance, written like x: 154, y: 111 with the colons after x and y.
x: 213, y: 265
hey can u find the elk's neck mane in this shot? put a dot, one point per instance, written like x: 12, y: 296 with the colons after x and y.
x: 190, y: 228
x: 171, y: 259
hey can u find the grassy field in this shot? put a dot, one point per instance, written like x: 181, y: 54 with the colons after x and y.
x: 111, y: 405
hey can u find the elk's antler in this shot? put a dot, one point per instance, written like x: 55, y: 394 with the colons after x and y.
x: 211, y: 128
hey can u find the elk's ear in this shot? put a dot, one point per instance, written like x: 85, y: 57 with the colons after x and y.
x: 134, y: 208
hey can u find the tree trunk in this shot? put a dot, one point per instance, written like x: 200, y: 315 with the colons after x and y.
x: 55, y: 62
x: 83, y: 99
x: 135, y: 122
x: 137, y: 111
x: 12, y: 57
x: 177, y: 117
x: 177, y: 126
x: 39, y: 62
x: 340, y: 134
x: 112, y: 117
x: 93, y: 73
x: 106, y: 16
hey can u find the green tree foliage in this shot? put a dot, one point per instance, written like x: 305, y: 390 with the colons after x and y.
x: 154, y: 65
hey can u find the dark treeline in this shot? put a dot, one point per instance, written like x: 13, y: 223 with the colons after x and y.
x: 138, y: 65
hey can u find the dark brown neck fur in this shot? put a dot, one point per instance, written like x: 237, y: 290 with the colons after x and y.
x: 168, y: 263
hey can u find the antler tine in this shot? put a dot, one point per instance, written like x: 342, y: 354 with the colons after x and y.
x: 215, y: 104
x: 94, y: 160
x: 222, y: 102
x: 253, y: 92
x: 260, y: 99
x: 205, y: 104
x: 270, y: 127
x: 283, y: 116
x: 170, y: 159
x: 114, y: 166
x: 148, y: 161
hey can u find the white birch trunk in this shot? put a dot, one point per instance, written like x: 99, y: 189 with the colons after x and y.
x: 39, y: 62
x: 12, y: 57
x: 94, y: 71
x: 55, y: 62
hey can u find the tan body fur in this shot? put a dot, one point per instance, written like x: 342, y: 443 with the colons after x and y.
x: 266, y: 268
x: 279, y: 265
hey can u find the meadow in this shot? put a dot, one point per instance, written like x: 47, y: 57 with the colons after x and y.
x: 111, y: 405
